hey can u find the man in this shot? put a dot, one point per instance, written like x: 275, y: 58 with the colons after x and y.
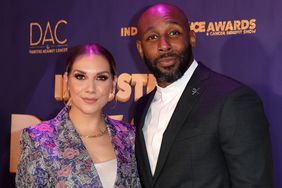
x: 198, y: 128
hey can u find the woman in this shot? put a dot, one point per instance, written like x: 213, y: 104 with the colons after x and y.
x: 81, y: 147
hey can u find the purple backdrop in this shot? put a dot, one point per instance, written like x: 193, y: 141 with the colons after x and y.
x: 242, y: 39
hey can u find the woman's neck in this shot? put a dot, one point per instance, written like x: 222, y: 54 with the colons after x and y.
x: 86, y: 124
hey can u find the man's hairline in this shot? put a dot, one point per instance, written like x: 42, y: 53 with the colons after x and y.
x: 185, y: 26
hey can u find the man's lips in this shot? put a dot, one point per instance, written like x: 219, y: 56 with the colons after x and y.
x: 89, y: 100
x: 166, y: 61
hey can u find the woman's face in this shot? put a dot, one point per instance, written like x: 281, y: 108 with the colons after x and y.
x: 90, y: 83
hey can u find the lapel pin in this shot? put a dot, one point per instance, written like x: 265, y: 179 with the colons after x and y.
x: 195, y: 91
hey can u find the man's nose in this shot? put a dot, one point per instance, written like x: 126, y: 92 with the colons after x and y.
x: 164, y: 45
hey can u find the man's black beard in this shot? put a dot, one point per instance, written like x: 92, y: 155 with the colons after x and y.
x: 185, y: 59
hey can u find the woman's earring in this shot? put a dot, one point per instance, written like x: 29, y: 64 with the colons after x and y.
x: 66, y: 93
x: 111, y: 96
x: 67, y: 98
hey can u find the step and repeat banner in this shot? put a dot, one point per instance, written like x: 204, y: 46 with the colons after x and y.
x: 242, y: 39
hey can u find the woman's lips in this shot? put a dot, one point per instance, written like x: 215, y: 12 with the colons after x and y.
x: 89, y: 100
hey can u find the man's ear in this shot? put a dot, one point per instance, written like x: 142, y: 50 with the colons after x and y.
x: 192, y: 38
x: 140, y: 48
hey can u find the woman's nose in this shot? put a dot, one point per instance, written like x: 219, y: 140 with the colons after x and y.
x: 90, y: 88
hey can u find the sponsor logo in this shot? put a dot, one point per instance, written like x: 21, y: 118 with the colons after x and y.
x: 219, y: 28
x: 213, y: 28
x: 128, y: 31
x: 46, y: 38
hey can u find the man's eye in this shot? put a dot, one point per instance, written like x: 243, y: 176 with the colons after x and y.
x: 79, y: 76
x: 152, y: 37
x: 102, y: 77
x: 174, y: 33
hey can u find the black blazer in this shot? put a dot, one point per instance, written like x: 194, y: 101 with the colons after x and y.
x: 217, y: 137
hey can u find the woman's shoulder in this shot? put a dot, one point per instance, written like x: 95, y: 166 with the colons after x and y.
x: 41, y: 130
x: 42, y: 127
x: 39, y: 137
x: 46, y: 128
x: 121, y: 125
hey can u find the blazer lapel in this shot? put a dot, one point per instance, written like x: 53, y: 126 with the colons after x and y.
x: 68, y: 141
x: 187, y: 101
x: 141, y: 150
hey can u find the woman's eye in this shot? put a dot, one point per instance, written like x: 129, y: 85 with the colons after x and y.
x: 79, y: 76
x: 174, y: 33
x: 102, y: 77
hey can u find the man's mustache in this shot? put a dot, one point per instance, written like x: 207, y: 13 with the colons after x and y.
x: 166, y: 55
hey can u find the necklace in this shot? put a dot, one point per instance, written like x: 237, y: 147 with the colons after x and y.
x: 101, y: 133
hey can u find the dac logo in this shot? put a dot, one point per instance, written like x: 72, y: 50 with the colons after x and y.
x: 47, y: 37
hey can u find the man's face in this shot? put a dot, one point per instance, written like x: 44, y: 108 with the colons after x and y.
x: 164, y: 44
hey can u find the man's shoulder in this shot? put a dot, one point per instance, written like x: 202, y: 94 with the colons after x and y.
x: 221, y: 81
x: 218, y: 86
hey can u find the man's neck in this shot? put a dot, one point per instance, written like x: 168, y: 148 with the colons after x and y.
x: 164, y: 84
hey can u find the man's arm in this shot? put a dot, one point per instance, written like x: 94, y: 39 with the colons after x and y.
x: 245, y: 140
